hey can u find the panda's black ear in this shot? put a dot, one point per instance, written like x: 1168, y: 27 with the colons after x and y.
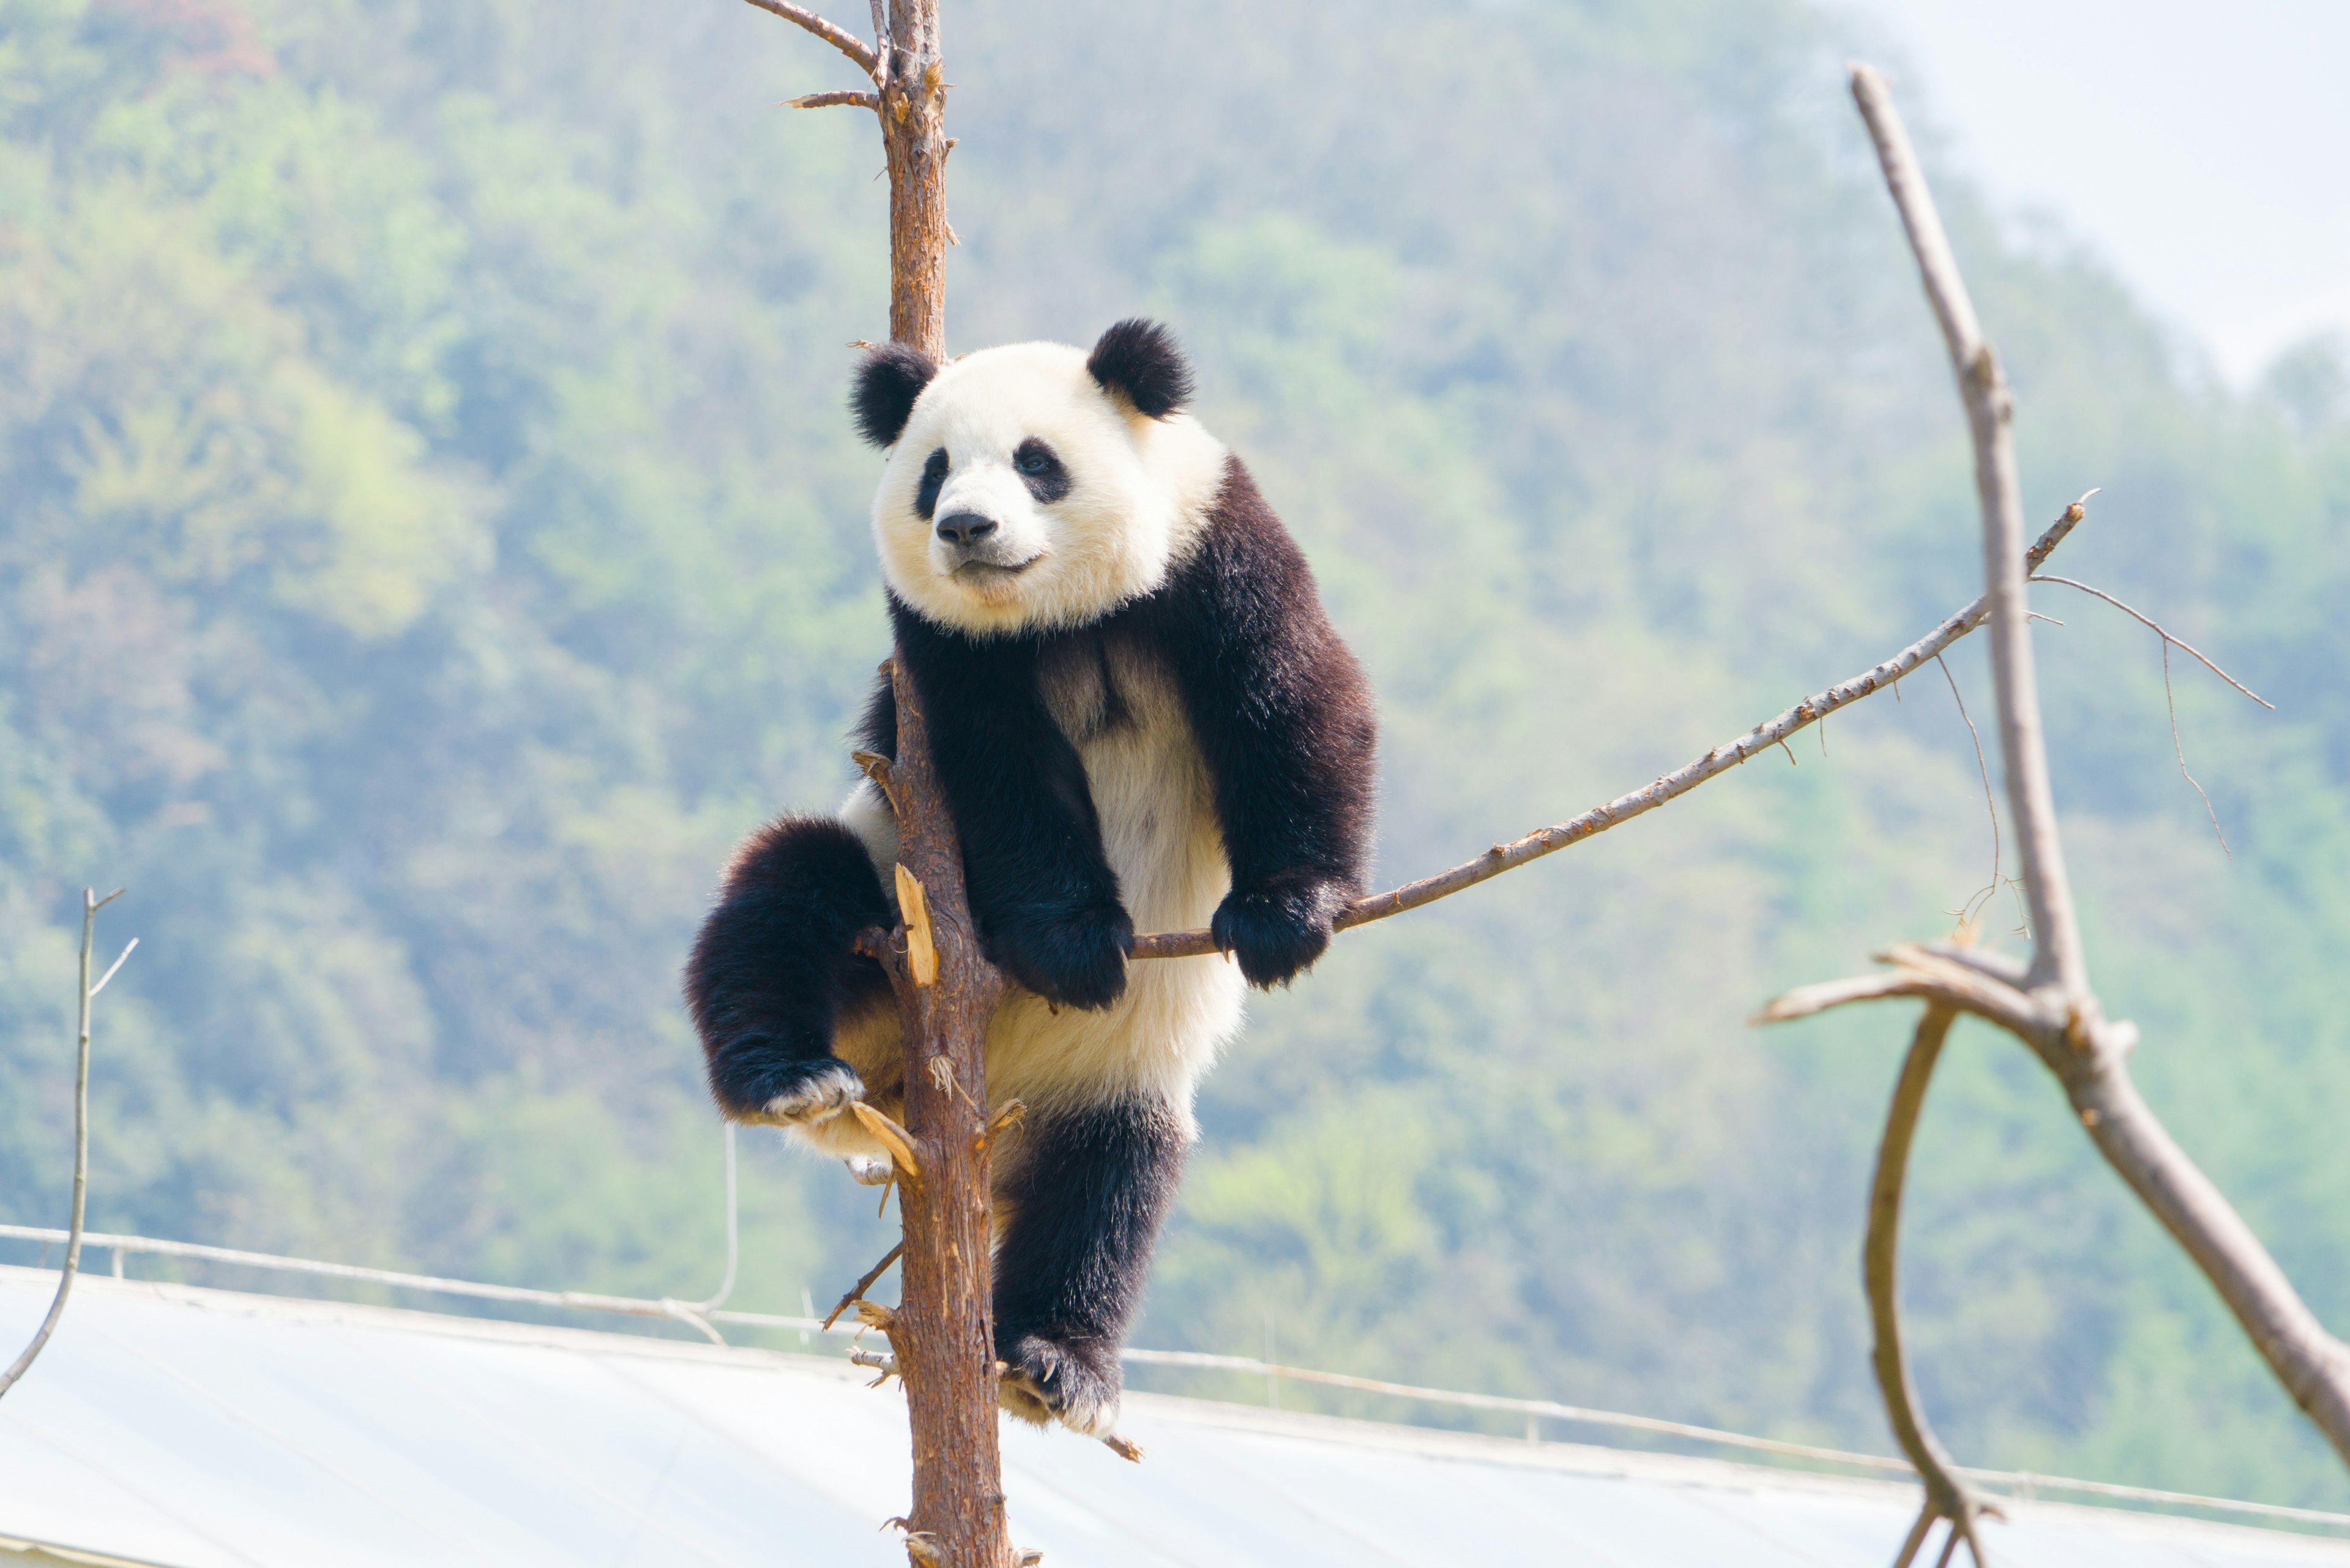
x: 1139, y: 360
x: 888, y: 382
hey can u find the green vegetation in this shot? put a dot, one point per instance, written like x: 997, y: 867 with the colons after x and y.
x: 429, y: 534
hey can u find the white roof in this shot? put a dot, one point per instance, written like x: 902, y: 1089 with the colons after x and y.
x: 205, y: 1429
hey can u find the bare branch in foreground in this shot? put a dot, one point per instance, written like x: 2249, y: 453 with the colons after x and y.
x: 2051, y: 1007
x: 1680, y: 782
x: 90, y: 905
x: 1947, y: 1496
x: 2088, y: 1055
x: 840, y: 39
x: 1991, y: 411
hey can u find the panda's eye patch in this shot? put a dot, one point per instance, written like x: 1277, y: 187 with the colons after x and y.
x: 1040, y: 469
x: 934, y: 479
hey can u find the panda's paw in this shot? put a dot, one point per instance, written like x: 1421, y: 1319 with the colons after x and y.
x: 1071, y: 960
x: 811, y: 1091
x: 1275, y: 930
x: 1073, y: 1381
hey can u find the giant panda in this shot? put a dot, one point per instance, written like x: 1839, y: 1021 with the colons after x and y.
x: 1142, y: 721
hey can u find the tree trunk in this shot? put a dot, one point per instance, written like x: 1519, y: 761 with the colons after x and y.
x: 913, y: 129
x: 944, y: 1336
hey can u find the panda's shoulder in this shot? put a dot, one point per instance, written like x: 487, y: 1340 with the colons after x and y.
x: 1237, y: 541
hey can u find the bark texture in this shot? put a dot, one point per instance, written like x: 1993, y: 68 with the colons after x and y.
x: 913, y: 129
x: 944, y: 1335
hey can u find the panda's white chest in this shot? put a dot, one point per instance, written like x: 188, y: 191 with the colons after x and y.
x: 1156, y: 804
x: 1151, y: 790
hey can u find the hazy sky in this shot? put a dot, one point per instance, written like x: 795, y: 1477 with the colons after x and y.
x: 2203, y: 145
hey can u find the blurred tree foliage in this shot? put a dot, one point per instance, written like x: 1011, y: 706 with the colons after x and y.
x: 430, y: 533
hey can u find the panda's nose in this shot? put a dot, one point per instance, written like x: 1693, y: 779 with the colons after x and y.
x: 966, y: 528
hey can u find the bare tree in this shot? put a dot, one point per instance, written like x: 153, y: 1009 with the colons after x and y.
x: 942, y: 1336
x: 90, y: 905
x: 2049, y: 1004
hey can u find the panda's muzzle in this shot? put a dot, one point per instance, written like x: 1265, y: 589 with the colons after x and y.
x: 965, y: 529
x: 977, y: 550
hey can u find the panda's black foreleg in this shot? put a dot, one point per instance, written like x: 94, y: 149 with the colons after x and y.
x: 1086, y: 1194
x: 774, y: 969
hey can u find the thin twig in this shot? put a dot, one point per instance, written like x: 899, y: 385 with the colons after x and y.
x: 840, y: 39
x: 90, y: 905
x: 1599, y: 819
x: 2169, y: 698
x: 111, y: 967
x: 1947, y: 1496
x: 1990, y: 802
x: 2170, y: 702
x: 2159, y: 630
x: 857, y: 1292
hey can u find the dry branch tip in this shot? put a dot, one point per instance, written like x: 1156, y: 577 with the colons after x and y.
x: 889, y: 1136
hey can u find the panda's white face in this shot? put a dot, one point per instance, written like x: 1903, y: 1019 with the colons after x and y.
x: 1021, y: 495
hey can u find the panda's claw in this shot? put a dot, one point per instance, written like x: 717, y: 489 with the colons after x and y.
x: 1077, y: 960
x: 816, y: 1089
x: 1275, y: 932
x: 1075, y: 1382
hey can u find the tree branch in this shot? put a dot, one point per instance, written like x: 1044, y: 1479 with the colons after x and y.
x: 1947, y: 1496
x: 1991, y: 412
x: 2051, y: 1007
x: 840, y: 39
x: 90, y: 905
x: 1671, y: 786
x: 846, y: 99
x: 2159, y: 630
x: 941, y: 1333
x: 865, y: 1282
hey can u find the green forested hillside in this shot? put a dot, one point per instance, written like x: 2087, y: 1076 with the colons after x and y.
x: 431, y: 532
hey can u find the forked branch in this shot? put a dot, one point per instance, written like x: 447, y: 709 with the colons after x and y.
x: 2050, y: 1005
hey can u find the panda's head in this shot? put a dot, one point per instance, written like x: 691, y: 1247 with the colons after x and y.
x: 1034, y: 486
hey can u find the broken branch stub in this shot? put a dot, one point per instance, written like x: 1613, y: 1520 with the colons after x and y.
x: 921, y: 954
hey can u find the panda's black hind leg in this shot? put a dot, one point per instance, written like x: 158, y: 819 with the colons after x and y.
x: 775, y: 969
x: 1088, y: 1193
